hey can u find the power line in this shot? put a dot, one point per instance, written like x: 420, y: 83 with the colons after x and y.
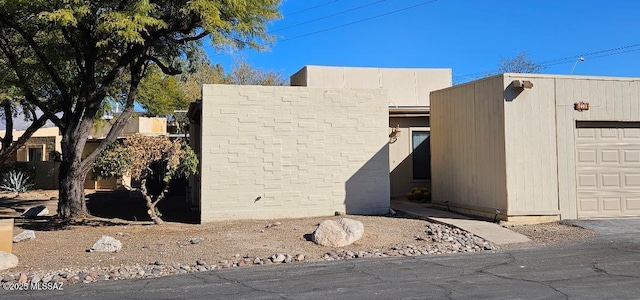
x: 568, y: 59
x: 310, y: 8
x: 574, y: 57
x: 328, y: 16
x: 359, y: 21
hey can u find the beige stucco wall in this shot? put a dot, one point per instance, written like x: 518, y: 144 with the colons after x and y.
x: 405, y: 86
x: 401, y: 157
x: 467, y: 146
x: 47, y: 138
x: 532, y: 134
x: 530, y: 147
x: 272, y: 152
x: 135, y: 125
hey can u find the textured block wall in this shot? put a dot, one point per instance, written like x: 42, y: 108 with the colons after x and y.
x: 275, y: 152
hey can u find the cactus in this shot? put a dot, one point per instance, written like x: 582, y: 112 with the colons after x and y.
x: 16, y: 181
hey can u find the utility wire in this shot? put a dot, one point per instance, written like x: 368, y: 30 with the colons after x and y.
x: 359, y: 21
x: 328, y: 16
x: 565, y: 60
x: 310, y: 8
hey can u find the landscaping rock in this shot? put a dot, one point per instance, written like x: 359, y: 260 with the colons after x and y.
x: 8, y: 260
x: 106, y: 244
x: 36, y: 211
x: 278, y: 258
x: 24, y: 236
x: 338, y: 234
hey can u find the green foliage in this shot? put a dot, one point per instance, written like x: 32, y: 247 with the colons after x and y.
x: 189, y: 162
x: 136, y: 155
x: 419, y: 195
x: 160, y: 94
x: 18, y: 166
x: 114, y: 161
x: 16, y: 181
x: 55, y: 156
x: 68, y: 57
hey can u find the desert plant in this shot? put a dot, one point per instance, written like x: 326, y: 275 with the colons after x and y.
x: 419, y: 194
x: 16, y: 181
x: 137, y: 154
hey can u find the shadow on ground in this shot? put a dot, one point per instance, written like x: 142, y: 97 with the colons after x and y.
x: 130, y: 206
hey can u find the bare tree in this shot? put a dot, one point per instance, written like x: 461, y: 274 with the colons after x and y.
x: 521, y: 63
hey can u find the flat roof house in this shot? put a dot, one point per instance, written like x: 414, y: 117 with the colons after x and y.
x: 409, y: 110
x: 325, y: 144
x: 538, y: 146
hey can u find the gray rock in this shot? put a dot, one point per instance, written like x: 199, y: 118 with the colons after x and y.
x: 338, y: 234
x: 47, y: 278
x: 24, y: 236
x: 8, y: 260
x: 36, y: 211
x: 196, y: 241
x: 278, y: 258
x: 106, y: 244
x: 82, y: 275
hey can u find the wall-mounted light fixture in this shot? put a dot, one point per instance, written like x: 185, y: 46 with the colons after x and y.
x: 522, y: 84
x: 395, y: 133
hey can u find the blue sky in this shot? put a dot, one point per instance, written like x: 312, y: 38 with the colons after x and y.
x: 468, y: 36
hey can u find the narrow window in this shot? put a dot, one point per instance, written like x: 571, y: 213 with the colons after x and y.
x: 421, y: 154
x: 35, y: 154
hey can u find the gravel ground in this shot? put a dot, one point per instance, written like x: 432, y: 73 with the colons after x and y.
x: 58, y: 254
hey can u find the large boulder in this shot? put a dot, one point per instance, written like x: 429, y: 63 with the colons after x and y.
x: 24, y: 236
x: 106, y: 244
x: 36, y: 211
x: 8, y: 260
x: 338, y: 234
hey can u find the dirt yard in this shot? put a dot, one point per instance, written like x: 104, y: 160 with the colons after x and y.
x: 58, y: 246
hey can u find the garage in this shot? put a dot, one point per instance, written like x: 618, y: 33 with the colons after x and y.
x: 608, y: 169
x: 537, y: 147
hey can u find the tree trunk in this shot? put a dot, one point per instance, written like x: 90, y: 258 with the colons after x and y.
x: 71, y: 204
x: 73, y: 172
x: 151, y: 205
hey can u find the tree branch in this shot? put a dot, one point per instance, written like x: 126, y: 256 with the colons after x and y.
x: 23, y: 82
x: 37, y: 124
x: 8, y: 128
x: 188, y: 38
x: 78, y: 57
x: 165, y: 69
x: 136, y: 76
x: 46, y: 62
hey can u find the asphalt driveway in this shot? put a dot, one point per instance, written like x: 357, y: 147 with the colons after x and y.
x: 604, y: 267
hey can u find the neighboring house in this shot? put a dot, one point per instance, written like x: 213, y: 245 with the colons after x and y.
x: 538, y: 147
x: 409, y: 110
x: 39, y: 150
x: 40, y: 147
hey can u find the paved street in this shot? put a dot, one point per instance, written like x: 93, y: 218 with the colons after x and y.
x: 605, y: 267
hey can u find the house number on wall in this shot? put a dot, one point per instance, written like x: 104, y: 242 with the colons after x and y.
x: 581, y: 106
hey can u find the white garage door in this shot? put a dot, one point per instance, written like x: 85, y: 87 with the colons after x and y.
x: 608, y: 169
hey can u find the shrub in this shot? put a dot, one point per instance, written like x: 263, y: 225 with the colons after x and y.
x: 16, y: 181
x: 419, y: 194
